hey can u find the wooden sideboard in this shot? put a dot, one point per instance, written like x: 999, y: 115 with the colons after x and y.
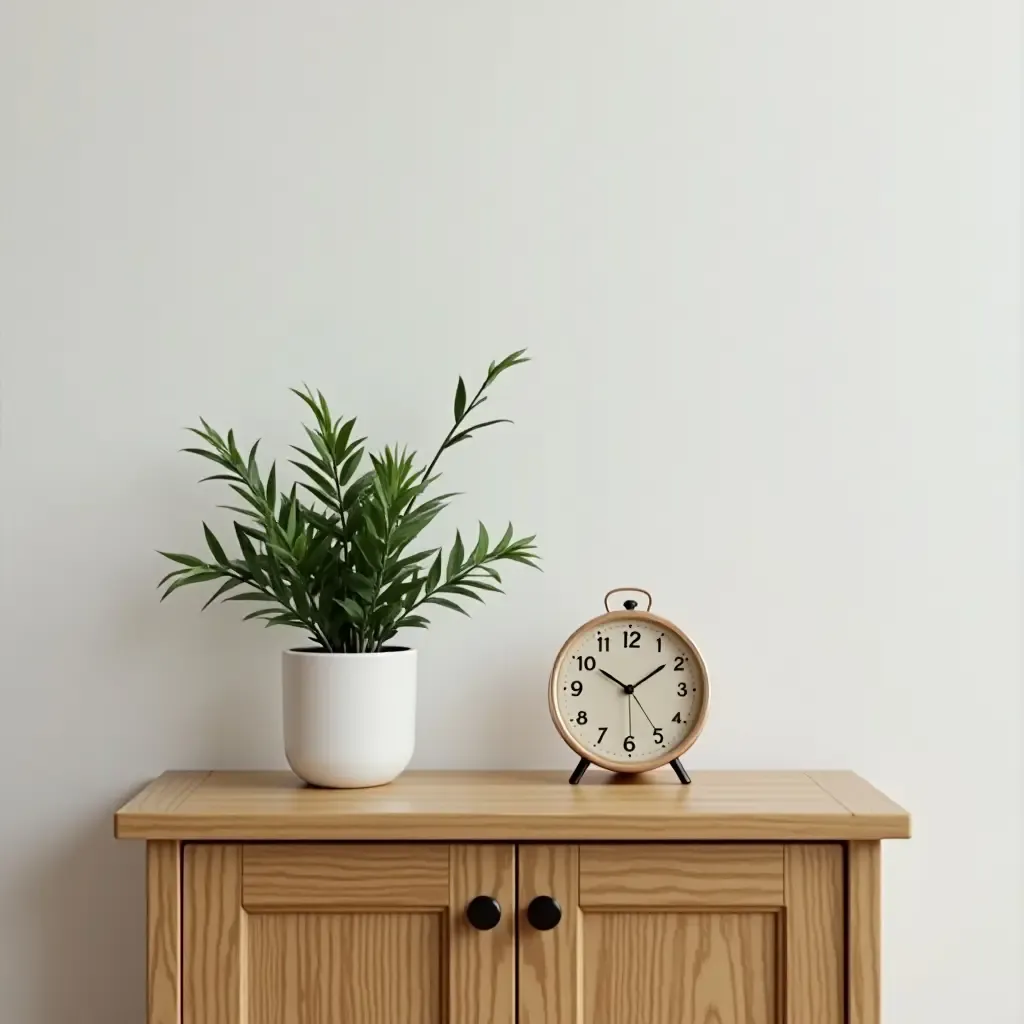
x: 513, y: 898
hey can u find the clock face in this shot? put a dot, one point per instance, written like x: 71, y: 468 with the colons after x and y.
x: 629, y: 691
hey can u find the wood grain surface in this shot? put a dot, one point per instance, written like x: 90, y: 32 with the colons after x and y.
x: 660, y: 875
x: 482, y: 964
x: 506, y: 806
x: 680, y: 968
x: 814, y: 934
x: 214, y: 936
x: 864, y: 932
x: 549, y: 968
x: 352, y: 968
x: 861, y: 799
x: 325, y: 876
x: 163, y: 932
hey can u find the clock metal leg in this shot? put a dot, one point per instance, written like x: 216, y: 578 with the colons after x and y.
x: 677, y: 767
x: 579, y: 772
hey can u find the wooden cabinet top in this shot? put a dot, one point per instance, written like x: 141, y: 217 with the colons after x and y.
x: 453, y: 806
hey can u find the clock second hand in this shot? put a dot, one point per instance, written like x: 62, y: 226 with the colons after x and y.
x: 647, y: 716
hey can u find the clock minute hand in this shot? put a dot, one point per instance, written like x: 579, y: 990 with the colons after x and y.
x: 648, y: 676
x: 614, y: 680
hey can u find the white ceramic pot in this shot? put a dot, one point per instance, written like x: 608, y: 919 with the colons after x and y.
x: 349, y: 719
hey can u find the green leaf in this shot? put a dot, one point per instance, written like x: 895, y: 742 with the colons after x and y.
x: 323, y: 465
x: 482, y: 542
x: 203, y: 453
x: 510, y: 360
x: 223, y: 589
x: 193, y: 577
x: 251, y: 468
x: 506, y: 539
x: 318, y: 478
x: 260, y: 612
x: 341, y: 440
x: 445, y: 603
x: 460, y: 400
x: 349, y: 467
x: 189, y: 560
x: 466, y: 434
x: 454, y: 557
x: 249, y: 595
x: 217, y: 439
x: 310, y: 401
x: 412, y: 622
x: 171, y: 575
x: 293, y: 519
x: 215, y: 549
x: 319, y: 444
x: 272, y: 487
x: 451, y: 588
x: 434, y: 575
x: 355, y: 611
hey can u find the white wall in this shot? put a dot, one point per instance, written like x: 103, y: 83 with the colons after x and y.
x: 766, y: 257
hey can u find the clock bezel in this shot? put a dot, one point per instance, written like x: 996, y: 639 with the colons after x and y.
x: 629, y: 767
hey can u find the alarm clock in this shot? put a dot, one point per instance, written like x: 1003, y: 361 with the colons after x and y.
x: 629, y: 691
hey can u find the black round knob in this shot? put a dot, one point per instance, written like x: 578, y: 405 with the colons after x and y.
x: 543, y: 913
x: 483, y: 912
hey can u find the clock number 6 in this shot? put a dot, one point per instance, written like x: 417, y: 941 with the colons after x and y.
x: 629, y: 744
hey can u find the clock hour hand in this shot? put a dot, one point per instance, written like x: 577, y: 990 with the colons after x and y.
x: 616, y: 681
x: 648, y: 676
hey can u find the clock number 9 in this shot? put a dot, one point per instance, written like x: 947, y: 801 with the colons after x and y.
x: 577, y: 687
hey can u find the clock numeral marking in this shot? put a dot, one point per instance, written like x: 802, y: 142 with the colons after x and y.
x: 676, y: 718
x: 587, y: 664
x: 659, y: 645
x: 604, y: 643
x: 581, y: 718
x: 630, y: 638
x: 629, y: 744
x: 600, y: 735
x: 659, y: 736
x: 577, y: 687
x: 681, y: 663
x: 682, y: 691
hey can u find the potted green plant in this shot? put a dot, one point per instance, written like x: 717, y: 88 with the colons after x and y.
x: 337, y: 555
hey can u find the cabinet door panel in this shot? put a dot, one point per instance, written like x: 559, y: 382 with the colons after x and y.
x: 327, y: 968
x: 655, y: 967
x: 337, y: 934
x: 684, y: 934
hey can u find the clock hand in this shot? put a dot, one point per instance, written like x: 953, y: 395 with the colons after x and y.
x: 641, y: 707
x: 613, y: 679
x: 648, y: 676
x: 629, y: 712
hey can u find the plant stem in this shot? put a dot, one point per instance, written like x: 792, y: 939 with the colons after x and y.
x: 451, y: 433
